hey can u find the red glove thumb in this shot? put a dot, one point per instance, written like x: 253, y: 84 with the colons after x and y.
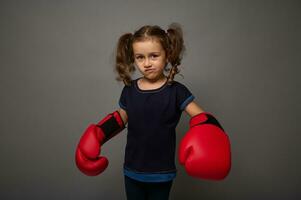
x: 90, y: 167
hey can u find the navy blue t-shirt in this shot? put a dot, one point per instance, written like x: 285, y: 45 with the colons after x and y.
x: 152, y: 119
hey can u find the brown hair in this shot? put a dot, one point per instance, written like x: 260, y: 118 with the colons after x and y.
x: 171, y: 41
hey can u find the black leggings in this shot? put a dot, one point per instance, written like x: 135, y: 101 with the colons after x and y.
x: 146, y: 191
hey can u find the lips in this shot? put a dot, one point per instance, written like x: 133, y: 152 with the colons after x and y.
x: 149, y: 70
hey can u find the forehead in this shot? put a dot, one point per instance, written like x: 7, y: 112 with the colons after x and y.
x: 147, y: 46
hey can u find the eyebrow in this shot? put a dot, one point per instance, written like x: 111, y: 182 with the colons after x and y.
x: 149, y: 53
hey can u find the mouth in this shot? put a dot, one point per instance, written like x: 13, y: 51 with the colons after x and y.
x: 149, y: 70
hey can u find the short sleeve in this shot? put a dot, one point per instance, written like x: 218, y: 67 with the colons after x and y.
x: 123, y: 97
x: 184, y: 96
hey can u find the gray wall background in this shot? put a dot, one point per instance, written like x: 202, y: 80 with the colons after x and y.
x: 56, y: 77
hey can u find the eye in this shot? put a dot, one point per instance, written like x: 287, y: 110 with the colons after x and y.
x: 139, y: 57
x: 155, y: 56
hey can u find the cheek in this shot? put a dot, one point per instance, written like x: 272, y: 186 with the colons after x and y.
x: 136, y: 64
x: 139, y: 67
x: 162, y: 63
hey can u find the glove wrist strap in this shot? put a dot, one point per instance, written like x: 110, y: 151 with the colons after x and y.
x: 204, y: 118
x: 111, y: 125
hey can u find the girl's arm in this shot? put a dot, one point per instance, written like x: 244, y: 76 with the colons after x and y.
x: 124, y: 116
x: 193, y: 109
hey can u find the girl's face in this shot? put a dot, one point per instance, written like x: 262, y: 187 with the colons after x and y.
x: 150, y: 58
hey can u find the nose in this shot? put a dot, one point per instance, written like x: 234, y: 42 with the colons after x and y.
x: 147, y: 63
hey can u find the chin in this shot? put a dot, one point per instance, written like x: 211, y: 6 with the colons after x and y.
x: 151, y: 76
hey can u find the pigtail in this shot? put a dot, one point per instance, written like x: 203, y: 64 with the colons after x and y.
x: 124, y: 59
x: 175, y: 50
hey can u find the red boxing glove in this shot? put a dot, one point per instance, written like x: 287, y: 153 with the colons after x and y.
x: 87, y: 156
x: 205, y: 149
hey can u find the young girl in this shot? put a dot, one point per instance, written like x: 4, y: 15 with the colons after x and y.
x: 152, y: 105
